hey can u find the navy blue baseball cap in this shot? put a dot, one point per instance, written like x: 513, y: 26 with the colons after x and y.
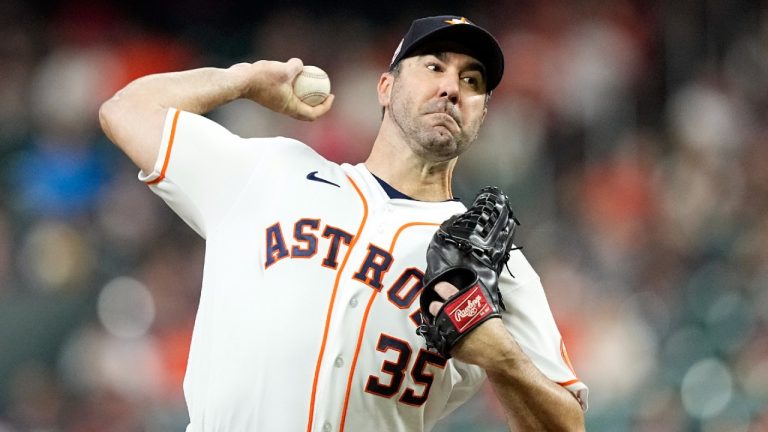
x: 474, y: 40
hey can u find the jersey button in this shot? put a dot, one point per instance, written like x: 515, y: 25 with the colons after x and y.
x: 339, y: 362
x: 326, y: 427
x: 353, y: 302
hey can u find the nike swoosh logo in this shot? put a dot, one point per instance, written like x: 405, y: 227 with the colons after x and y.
x: 313, y: 176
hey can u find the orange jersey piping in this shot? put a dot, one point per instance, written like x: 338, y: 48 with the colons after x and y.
x: 331, y: 303
x: 365, y: 320
x: 167, y: 150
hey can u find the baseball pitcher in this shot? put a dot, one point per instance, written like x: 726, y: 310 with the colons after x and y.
x: 350, y: 297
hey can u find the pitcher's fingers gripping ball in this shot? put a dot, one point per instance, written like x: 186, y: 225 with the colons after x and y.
x: 469, y: 251
x: 312, y: 85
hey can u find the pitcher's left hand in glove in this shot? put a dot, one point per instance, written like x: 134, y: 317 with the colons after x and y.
x: 469, y: 251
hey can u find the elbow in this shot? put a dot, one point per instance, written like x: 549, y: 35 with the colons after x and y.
x: 577, y: 423
x: 574, y: 424
x: 133, y: 127
x: 579, y: 426
x: 108, y: 112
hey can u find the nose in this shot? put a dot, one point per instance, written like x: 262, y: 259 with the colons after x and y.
x: 449, y: 88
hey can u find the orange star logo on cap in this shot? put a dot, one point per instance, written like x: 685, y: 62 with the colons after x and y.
x: 461, y: 20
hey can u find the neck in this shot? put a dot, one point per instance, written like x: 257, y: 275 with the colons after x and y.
x: 394, y: 162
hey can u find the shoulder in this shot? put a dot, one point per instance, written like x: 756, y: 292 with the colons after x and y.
x: 287, y: 146
x: 281, y: 153
x: 191, y: 125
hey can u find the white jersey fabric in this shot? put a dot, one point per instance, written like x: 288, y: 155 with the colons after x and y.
x: 309, y: 305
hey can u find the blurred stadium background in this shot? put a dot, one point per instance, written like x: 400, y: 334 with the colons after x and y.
x: 632, y: 136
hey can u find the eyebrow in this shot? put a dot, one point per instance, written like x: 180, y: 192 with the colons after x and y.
x: 474, y: 65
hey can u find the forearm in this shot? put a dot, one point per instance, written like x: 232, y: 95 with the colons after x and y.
x: 531, y: 401
x: 197, y: 90
x: 133, y: 118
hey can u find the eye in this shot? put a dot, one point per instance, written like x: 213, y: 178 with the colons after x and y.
x: 473, y: 81
x: 434, y: 67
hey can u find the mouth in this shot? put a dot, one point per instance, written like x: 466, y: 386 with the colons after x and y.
x: 445, y: 120
x: 441, y: 113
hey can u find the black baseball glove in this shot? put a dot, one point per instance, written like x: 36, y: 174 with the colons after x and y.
x: 469, y: 250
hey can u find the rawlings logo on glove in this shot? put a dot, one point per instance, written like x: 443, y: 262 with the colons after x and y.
x: 468, y: 308
x: 469, y: 251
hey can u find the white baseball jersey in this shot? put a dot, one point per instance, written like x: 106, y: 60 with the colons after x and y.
x: 309, y: 304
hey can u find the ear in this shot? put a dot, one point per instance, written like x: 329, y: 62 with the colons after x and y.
x: 384, y: 88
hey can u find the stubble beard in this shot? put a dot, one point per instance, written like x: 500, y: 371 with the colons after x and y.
x: 437, y: 144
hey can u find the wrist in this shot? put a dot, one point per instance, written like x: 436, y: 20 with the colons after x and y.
x: 238, y: 80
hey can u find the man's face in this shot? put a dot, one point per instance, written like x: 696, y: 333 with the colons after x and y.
x: 438, y: 102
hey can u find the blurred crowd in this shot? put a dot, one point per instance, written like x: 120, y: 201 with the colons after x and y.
x: 632, y: 137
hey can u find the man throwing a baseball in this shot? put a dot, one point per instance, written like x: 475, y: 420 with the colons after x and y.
x: 342, y: 297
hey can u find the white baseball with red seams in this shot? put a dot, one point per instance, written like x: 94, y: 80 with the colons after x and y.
x: 312, y: 85
x: 310, y: 264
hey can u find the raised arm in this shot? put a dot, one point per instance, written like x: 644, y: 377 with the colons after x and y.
x: 133, y: 118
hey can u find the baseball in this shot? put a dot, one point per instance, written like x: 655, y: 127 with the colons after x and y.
x: 312, y: 85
